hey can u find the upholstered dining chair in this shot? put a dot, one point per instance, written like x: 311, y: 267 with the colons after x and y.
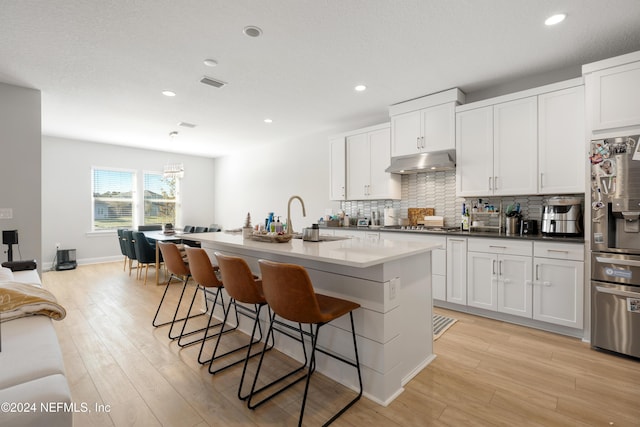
x: 178, y: 270
x: 188, y: 228
x: 151, y: 227
x: 200, y: 229
x: 290, y: 295
x: 145, y: 253
x: 130, y: 249
x: 123, y: 247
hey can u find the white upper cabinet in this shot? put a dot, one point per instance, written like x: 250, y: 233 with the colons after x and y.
x: 337, y: 169
x: 425, y: 124
x: 613, y: 92
x: 515, y: 147
x: 561, y: 141
x: 496, y: 151
x: 422, y: 131
x: 474, y: 152
x: 368, y: 155
x: 530, y: 144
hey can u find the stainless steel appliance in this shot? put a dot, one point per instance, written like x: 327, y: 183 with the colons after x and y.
x: 529, y: 227
x: 615, y: 244
x: 562, y: 216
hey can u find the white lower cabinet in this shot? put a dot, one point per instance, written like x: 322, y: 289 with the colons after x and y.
x: 499, y: 276
x: 457, y: 270
x: 558, y: 284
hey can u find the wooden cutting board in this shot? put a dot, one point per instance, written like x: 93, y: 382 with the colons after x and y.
x: 418, y: 214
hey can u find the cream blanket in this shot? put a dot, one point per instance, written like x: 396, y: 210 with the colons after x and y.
x: 22, y: 299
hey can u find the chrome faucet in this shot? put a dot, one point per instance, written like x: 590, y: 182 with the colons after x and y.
x: 304, y: 213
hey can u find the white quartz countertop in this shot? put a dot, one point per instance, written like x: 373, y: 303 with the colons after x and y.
x: 353, y: 252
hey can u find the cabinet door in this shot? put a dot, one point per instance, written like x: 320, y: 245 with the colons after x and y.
x: 439, y: 127
x: 406, y: 133
x: 474, y: 152
x: 382, y: 185
x: 482, y: 275
x: 514, y: 285
x: 615, y: 96
x: 337, y: 169
x: 561, y: 141
x: 558, y: 291
x: 515, y: 147
x: 358, y: 166
x: 457, y: 270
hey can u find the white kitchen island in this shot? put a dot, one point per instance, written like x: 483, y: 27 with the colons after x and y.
x: 390, y: 279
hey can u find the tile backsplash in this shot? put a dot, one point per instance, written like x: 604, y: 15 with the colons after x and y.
x: 438, y: 190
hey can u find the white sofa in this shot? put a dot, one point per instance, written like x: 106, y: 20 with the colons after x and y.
x: 33, y: 387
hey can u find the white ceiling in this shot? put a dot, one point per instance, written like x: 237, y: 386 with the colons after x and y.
x: 101, y: 65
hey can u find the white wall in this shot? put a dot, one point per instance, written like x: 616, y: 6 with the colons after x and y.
x: 262, y: 180
x: 20, y: 183
x: 66, y: 193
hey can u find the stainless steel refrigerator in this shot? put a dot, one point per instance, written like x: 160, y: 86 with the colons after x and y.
x: 615, y: 245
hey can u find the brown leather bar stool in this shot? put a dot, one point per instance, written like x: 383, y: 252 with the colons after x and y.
x: 178, y: 270
x: 245, y: 288
x: 290, y: 295
x: 206, y: 277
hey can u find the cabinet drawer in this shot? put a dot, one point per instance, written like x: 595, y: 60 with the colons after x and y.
x: 500, y: 246
x: 559, y: 250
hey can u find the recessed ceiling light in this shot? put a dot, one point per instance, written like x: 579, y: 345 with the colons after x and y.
x: 555, y: 19
x: 210, y: 62
x: 168, y: 93
x: 360, y: 88
x: 252, y: 31
x: 268, y: 121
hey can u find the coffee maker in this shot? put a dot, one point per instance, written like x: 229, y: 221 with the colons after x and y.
x: 562, y: 216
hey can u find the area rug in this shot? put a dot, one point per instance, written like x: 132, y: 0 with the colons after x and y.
x: 441, y: 324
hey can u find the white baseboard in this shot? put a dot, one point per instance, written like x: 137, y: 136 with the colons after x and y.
x: 84, y: 261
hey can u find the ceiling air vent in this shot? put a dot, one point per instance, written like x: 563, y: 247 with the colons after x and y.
x: 212, y: 82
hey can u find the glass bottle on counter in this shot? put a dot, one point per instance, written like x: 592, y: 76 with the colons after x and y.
x: 465, y: 218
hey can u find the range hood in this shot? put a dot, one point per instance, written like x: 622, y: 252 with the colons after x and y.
x: 424, y: 162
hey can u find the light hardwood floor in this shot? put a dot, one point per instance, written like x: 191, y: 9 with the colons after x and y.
x: 487, y: 373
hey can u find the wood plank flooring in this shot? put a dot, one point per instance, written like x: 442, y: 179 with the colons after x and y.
x: 487, y: 373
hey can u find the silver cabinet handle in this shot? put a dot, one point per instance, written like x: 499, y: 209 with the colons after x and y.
x: 342, y: 191
x: 495, y: 182
x: 537, y: 271
x: 493, y: 268
x: 500, y: 268
x: 423, y: 143
x: 497, y: 247
x: 490, y: 184
x: 618, y: 292
x: 629, y: 262
x: 418, y: 143
x: 541, y: 182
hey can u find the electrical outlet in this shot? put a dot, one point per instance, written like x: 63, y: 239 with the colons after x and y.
x: 6, y: 213
x: 393, y: 288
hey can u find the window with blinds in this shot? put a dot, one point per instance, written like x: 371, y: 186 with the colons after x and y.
x: 160, y: 199
x: 113, y: 194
